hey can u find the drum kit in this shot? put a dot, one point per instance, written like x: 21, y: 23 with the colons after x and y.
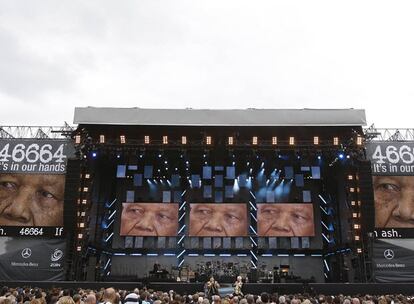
x: 222, y: 269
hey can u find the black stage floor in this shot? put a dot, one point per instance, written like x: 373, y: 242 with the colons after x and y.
x: 253, y: 288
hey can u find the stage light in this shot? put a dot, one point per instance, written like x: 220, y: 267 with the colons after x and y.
x: 94, y: 154
x: 101, y: 139
x: 122, y: 139
x: 335, y: 141
x: 165, y: 140
x: 357, y: 238
x: 230, y: 140
x: 146, y: 139
x: 254, y: 140
x: 352, y: 189
x: 319, y: 157
x: 359, y: 140
x: 159, y: 155
x: 341, y: 155
x: 274, y: 140
x: 357, y: 226
x: 183, y: 140
x: 79, y: 248
x: 81, y: 225
x: 359, y: 250
x: 77, y: 139
x: 208, y: 140
x: 80, y: 235
x: 353, y: 203
x: 291, y: 140
x: 85, y: 189
x: 84, y: 201
x: 87, y: 176
x: 350, y: 177
x: 316, y: 140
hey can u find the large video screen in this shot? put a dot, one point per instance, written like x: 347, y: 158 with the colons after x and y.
x: 32, y: 186
x: 392, y: 165
x: 149, y: 219
x: 225, y: 219
x: 279, y: 219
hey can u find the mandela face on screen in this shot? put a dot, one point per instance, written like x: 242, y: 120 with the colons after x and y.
x: 149, y: 219
x: 218, y: 220
x: 394, y: 201
x: 31, y: 199
x: 285, y: 220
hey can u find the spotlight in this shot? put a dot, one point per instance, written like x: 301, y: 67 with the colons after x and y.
x: 291, y: 140
x: 254, y: 140
x: 77, y: 139
x: 94, y: 154
x: 122, y: 138
x: 274, y: 140
x: 101, y: 139
x: 230, y: 140
x: 146, y: 139
x: 316, y: 140
x: 341, y: 155
x: 165, y: 140
x: 159, y: 155
x: 208, y: 140
x: 336, y: 141
x: 183, y: 140
x: 319, y: 157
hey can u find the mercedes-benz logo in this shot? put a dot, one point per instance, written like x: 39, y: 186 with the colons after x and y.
x: 56, y: 255
x: 26, y: 253
x: 389, y: 254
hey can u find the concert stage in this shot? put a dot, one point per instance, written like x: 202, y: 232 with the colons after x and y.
x: 250, y: 288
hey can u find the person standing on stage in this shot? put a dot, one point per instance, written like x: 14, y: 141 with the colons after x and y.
x: 212, y: 288
x: 238, y: 286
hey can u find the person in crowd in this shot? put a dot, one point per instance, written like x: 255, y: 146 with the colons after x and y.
x: 31, y: 199
x: 90, y: 299
x: 110, y: 296
x: 149, y: 219
x: 285, y: 220
x: 394, y: 201
x: 218, y: 220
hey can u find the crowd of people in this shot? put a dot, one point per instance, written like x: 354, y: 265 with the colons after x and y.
x: 148, y: 296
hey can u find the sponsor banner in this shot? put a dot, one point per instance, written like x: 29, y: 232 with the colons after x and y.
x: 35, y: 259
x: 279, y: 219
x: 35, y: 156
x: 225, y: 220
x: 391, y: 158
x: 393, y: 183
x: 392, y: 260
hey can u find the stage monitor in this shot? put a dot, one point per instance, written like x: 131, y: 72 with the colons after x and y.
x: 287, y: 219
x: 32, y: 186
x: 392, y: 165
x: 149, y: 219
x: 215, y: 220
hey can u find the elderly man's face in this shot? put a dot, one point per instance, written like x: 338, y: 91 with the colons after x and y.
x: 285, y: 220
x: 31, y: 199
x: 218, y: 220
x: 149, y: 219
x: 394, y: 201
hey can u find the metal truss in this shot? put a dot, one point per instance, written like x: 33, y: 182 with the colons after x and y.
x: 388, y: 134
x: 39, y: 132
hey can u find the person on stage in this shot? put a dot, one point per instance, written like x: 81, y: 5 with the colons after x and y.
x: 212, y: 288
x: 238, y: 286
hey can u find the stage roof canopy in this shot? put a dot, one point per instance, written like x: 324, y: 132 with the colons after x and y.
x: 196, y: 117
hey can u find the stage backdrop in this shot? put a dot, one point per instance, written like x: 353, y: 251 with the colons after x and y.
x: 32, y: 188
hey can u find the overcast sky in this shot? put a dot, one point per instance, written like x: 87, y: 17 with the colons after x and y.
x: 55, y: 55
